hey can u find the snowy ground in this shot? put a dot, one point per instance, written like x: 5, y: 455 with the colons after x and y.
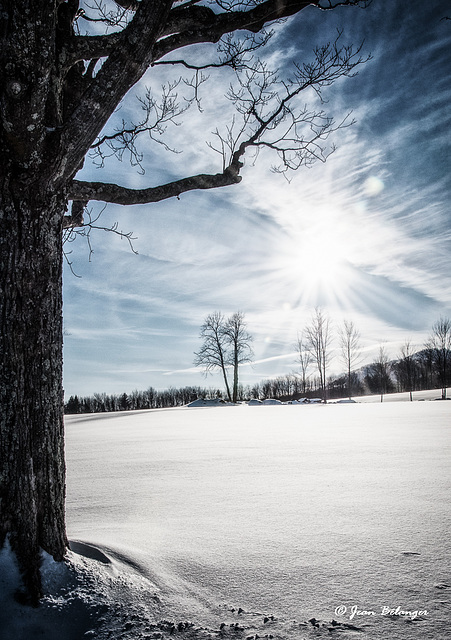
x: 240, y: 522
x: 417, y: 396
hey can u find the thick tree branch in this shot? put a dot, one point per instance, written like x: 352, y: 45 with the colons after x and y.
x: 179, y: 19
x: 130, y: 5
x: 190, y: 24
x: 254, y: 19
x: 185, y: 19
x: 188, y: 17
x: 113, y: 193
x: 89, y: 47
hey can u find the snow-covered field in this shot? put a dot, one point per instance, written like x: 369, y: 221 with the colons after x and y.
x: 258, y: 517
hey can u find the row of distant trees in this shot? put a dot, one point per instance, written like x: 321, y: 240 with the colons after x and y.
x: 428, y: 368
x: 226, y: 344
x: 416, y: 372
x: 411, y: 371
x: 148, y: 399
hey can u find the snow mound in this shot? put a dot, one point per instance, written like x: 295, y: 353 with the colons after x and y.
x: 214, y: 402
x: 87, y: 596
x: 97, y: 595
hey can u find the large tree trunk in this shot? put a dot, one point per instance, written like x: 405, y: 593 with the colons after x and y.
x: 32, y: 467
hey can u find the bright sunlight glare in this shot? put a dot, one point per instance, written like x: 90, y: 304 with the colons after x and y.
x: 318, y: 253
x: 316, y: 257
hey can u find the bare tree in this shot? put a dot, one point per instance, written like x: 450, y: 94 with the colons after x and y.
x: 304, y: 358
x: 318, y: 342
x: 240, y: 350
x: 440, y: 342
x: 60, y: 83
x: 226, y: 343
x: 213, y: 352
x: 406, y: 367
x: 378, y: 373
x: 350, y: 348
x: 426, y: 360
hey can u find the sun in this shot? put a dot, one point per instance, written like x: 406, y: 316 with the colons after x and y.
x: 319, y: 253
x: 315, y: 257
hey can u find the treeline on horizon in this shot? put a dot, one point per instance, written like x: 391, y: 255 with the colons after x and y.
x: 418, y: 372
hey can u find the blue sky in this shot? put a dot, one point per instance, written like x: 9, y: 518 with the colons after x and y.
x: 366, y: 236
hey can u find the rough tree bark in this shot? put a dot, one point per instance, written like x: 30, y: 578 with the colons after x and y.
x: 31, y: 422
x: 32, y: 471
x: 53, y: 106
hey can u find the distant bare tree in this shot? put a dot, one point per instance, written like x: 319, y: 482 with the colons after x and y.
x: 406, y: 367
x: 380, y: 372
x: 226, y: 343
x: 304, y: 358
x: 318, y: 342
x: 239, y: 342
x: 213, y: 352
x: 440, y: 342
x: 350, y: 348
x: 426, y: 361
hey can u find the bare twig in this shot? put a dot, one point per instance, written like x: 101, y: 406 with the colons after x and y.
x: 270, y: 119
x: 157, y: 116
x: 233, y: 52
x: 85, y: 227
x: 119, y: 17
